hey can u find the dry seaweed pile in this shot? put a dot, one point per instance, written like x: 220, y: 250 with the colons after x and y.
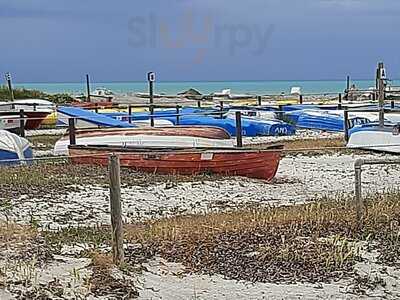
x: 103, y: 283
x: 315, y: 242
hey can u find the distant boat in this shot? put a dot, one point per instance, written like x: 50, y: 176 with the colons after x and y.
x: 13, y: 147
x: 260, y: 164
x: 182, y: 136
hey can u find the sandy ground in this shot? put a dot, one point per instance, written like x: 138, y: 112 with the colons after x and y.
x: 299, y: 178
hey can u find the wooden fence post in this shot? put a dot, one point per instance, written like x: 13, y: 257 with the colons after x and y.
x: 71, y: 131
x: 177, y: 114
x: 346, y: 124
x: 239, y: 140
x: 115, y: 206
x: 151, y: 115
x: 130, y: 113
x: 221, y: 108
x: 87, y: 87
x: 259, y: 99
x: 301, y: 99
x: 340, y: 101
x: 22, y: 123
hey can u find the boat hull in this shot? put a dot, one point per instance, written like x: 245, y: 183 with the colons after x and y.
x: 35, y: 119
x: 260, y: 164
x: 376, y: 139
x: 196, y: 136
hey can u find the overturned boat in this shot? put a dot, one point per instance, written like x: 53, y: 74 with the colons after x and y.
x: 260, y: 164
x: 177, y: 136
x: 13, y: 148
x: 376, y: 138
x: 326, y: 120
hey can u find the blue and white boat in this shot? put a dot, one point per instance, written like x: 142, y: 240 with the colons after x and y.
x: 326, y: 120
x: 250, y: 126
x: 13, y: 147
x: 88, y: 119
x: 373, y: 137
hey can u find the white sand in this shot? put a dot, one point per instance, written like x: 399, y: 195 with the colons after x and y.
x: 300, y: 178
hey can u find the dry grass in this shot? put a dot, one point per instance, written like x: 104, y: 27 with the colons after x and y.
x: 44, y: 142
x: 311, y: 242
x: 314, y: 144
x: 14, y: 234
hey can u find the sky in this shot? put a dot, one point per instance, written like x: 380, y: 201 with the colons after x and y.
x: 198, y: 40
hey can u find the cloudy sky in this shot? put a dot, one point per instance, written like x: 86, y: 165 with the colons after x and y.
x: 61, y: 40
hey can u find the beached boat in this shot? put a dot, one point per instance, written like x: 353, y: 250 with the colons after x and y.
x: 13, y: 147
x: 178, y: 136
x: 87, y: 119
x: 376, y: 138
x: 327, y: 120
x: 35, y: 110
x: 250, y: 126
x: 261, y: 164
x: 9, y: 121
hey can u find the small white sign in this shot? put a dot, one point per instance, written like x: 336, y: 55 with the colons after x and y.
x: 383, y: 73
x: 8, y: 76
x: 207, y: 156
x: 151, y: 76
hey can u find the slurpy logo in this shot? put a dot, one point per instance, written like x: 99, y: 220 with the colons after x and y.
x: 199, y: 34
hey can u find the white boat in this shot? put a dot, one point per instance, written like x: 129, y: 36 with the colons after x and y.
x: 143, y: 140
x: 9, y: 122
x: 102, y: 92
x: 295, y: 91
x: 373, y: 137
x: 256, y: 114
x: 29, y: 105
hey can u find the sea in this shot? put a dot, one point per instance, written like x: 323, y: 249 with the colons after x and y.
x: 206, y: 87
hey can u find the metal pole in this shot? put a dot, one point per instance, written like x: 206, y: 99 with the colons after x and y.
x: 346, y: 124
x: 9, y: 84
x: 301, y: 99
x: 392, y: 104
x: 116, y: 211
x: 71, y: 131
x: 21, y: 123
x: 239, y: 140
x: 340, y: 101
x: 88, y: 87
x: 177, y: 114
x: 198, y: 103
x: 221, y: 108
x: 259, y: 100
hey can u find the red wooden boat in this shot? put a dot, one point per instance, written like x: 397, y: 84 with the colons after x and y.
x: 261, y: 164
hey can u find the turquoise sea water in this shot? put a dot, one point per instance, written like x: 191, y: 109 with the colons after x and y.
x: 237, y: 87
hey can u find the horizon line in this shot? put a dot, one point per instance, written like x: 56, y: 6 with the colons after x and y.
x: 193, y: 81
